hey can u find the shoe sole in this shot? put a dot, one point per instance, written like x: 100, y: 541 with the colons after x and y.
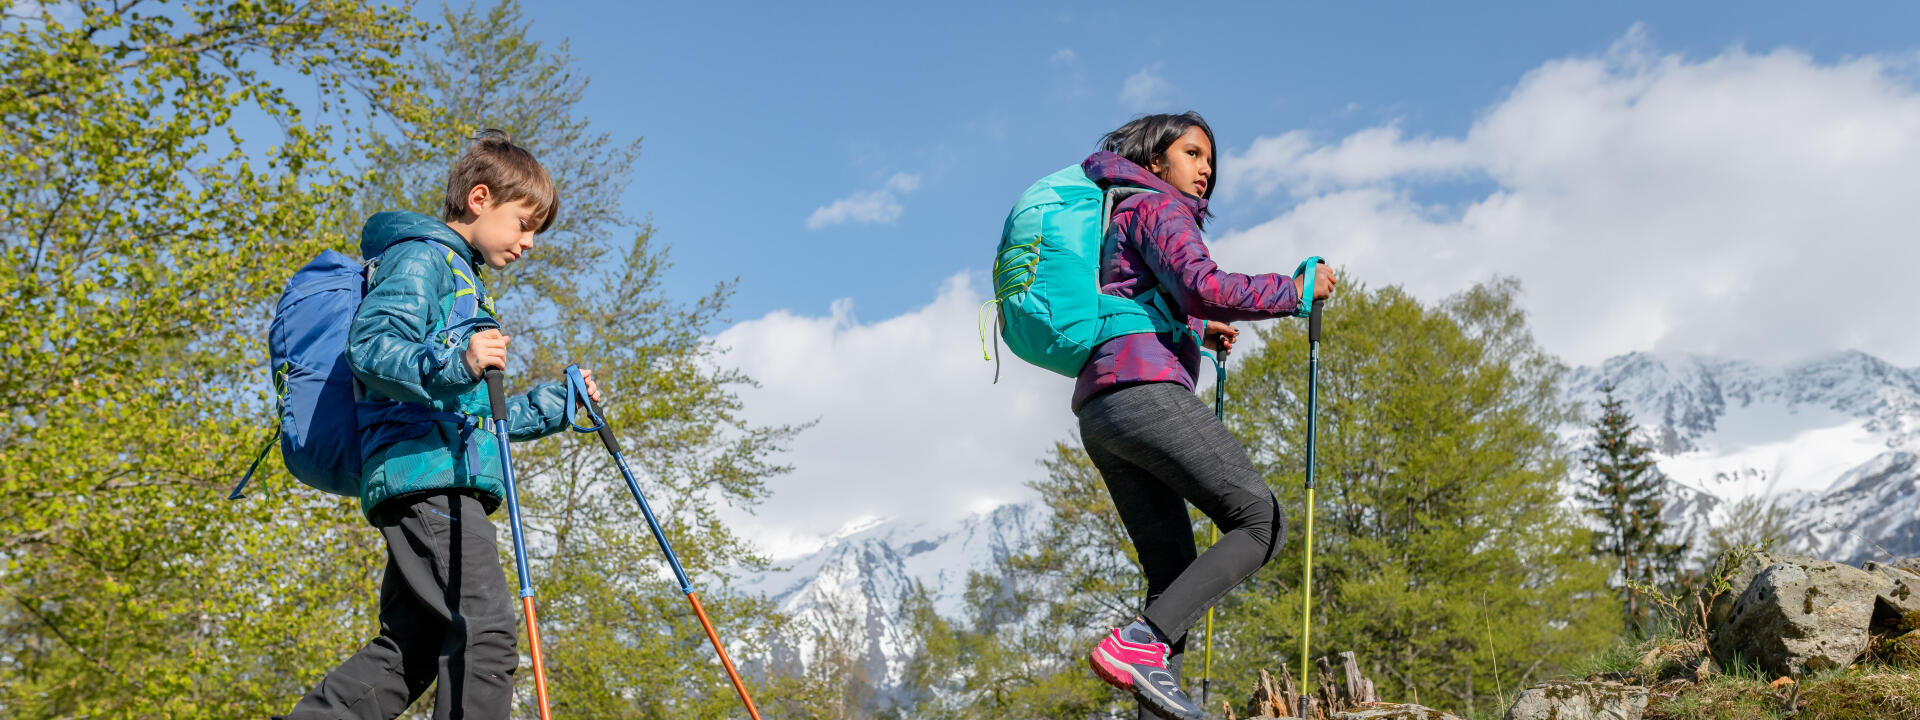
x: 1123, y: 676
x: 1116, y: 673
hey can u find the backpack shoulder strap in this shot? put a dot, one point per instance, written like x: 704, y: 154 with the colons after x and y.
x: 468, y: 297
x: 1114, y: 196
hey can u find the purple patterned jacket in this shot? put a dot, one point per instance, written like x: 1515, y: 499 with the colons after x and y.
x: 1155, y: 243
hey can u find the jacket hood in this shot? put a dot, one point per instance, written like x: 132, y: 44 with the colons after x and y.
x: 1109, y: 169
x: 384, y: 229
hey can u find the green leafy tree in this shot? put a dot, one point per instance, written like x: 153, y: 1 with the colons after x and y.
x: 1626, y: 492
x: 161, y: 178
x: 622, y: 640
x: 146, y: 234
x: 1442, y: 556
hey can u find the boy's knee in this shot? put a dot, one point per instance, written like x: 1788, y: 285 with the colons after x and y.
x: 492, y: 641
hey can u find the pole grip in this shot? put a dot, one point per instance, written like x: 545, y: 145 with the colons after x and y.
x: 1313, y: 322
x: 495, y: 393
x: 606, y: 430
x: 577, y: 395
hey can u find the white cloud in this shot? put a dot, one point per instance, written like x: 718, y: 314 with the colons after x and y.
x: 1065, y: 56
x: 872, y: 207
x: 910, y: 425
x: 1293, y: 161
x: 1758, y: 206
x: 1752, y: 205
x: 1146, y: 90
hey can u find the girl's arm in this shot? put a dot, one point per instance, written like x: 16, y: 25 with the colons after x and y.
x: 1170, y: 243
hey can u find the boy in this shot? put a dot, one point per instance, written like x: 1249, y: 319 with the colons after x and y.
x: 430, y: 483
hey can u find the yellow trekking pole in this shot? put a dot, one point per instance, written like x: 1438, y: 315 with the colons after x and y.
x: 1213, y: 531
x: 1307, y: 271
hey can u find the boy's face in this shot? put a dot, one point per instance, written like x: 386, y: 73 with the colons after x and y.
x: 500, y: 232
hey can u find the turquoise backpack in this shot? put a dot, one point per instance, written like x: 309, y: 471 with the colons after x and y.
x: 1046, y: 276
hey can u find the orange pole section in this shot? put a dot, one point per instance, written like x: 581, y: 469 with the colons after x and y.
x: 738, y: 686
x: 539, y: 668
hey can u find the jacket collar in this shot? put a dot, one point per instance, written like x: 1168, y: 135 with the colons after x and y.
x: 384, y: 229
x: 1109, y: 169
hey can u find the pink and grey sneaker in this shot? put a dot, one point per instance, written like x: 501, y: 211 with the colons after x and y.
x: 1133, y: 658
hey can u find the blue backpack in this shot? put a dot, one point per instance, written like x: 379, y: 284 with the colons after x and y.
x: 1046, y: 276
x: 319, y: 412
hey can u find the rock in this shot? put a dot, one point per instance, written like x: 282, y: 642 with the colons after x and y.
x: 1738, y: 581
x: 1580, y: 701
x: 1898, y: 608
x: 1909, y: 564
x: 1800, y: 615
x: 1395, y: 711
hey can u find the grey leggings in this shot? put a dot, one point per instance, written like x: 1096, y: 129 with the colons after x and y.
x: 1156, y: 444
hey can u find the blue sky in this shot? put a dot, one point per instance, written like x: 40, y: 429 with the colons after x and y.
x: 1730, y: 179
x: 754, y: 115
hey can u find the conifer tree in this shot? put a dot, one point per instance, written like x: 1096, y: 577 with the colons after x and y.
x: 1625, y: 491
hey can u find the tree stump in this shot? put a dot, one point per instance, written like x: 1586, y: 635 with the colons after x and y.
x: 1342, y: 687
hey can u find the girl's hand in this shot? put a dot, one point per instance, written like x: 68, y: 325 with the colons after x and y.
x: 1323, y: 282
x: 1220, y: 336
x: 593, y: 388
x: 485, y: 349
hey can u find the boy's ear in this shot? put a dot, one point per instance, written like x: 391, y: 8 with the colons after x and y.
x: 478, y: 198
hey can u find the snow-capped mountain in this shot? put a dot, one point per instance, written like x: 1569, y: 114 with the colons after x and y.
x: 856, y: 587
x: 1831, y: 441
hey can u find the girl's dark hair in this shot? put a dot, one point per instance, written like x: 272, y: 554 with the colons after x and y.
x: 1147, y: 138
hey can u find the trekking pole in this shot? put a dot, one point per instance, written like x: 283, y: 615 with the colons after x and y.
x: 498, y: 397
x: 1213, y: 529
x: 577, y: 388
x: 1307, y: 270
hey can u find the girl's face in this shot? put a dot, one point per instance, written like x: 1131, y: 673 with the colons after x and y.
x: 1188, y: 163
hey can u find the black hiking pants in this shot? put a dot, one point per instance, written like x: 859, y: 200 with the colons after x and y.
x: 445, y: 615
x: 1158, y: 447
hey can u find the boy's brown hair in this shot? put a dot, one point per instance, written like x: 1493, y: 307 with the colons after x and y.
x: 508, y: 170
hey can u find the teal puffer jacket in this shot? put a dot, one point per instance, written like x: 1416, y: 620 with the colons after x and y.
x: 401, y: 349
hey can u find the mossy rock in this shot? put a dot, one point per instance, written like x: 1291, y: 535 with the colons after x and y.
x: 1801, y: 616
x: 1901, y: 651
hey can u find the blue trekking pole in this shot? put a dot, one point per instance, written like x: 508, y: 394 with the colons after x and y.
x: 498, y: 397
x: 1307, y: 270
x: 577, y: 390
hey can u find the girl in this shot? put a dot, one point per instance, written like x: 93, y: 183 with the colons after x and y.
x: 1156, y: 445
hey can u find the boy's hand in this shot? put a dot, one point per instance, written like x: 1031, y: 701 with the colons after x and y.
x: 1220, y: 336
x: 1323, y: 281
x: 485, y: 349
x: 593, y: 388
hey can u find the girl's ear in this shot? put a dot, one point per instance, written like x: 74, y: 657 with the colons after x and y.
x: 1158, y: 165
